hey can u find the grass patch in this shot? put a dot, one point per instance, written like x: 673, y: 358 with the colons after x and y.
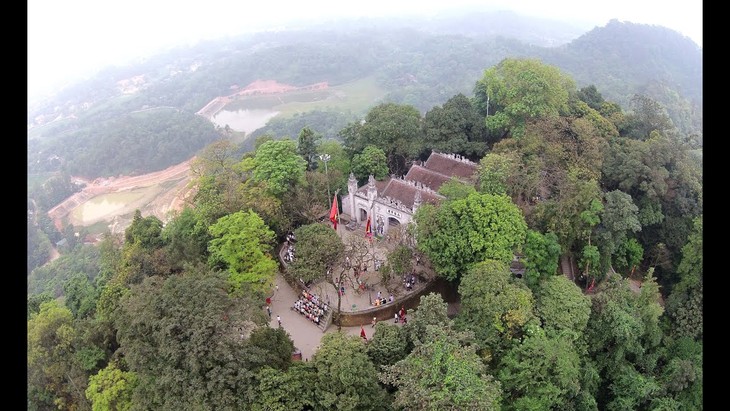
x: 99, y: 227
x: 356, y: 96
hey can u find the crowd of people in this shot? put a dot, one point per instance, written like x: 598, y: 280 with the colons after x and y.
x: 311, y: 306
x: 289, y: 247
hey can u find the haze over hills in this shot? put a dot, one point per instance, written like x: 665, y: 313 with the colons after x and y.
x: 422, y: 66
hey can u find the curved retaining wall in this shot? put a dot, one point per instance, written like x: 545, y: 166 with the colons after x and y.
x: 410, y: 301
x: 386, y: 312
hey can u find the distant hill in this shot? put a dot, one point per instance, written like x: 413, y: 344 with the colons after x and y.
x: 624, y: 58
x: 420, y: 64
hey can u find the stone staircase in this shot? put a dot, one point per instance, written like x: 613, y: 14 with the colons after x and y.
x: 323, y: 325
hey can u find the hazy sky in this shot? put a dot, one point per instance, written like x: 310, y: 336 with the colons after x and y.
x: 72, y: 38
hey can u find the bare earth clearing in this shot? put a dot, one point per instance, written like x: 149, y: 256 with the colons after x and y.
x: 111, y: 202
x: 158, y: 194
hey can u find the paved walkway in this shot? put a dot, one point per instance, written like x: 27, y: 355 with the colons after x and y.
x: 306, y: 334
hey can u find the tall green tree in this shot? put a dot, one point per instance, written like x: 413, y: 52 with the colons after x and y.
x: 540, y: 373
x: 624, y: 337
x: 685, y: 302
x: 442, y: 374
x: 186, y: 236
x: 455, y: 189
x: 455, y: 127
x: 372, y: 161
x: 111, y: 389
x: 338, y: 167
x: 185, y: 339
x: 562, y: 307
x: 541, y: 257
x: 496, y: 308
x: 284, y: 391
x: 620, y: 217
x: 388, y: 345
x: 346, y: 378
x: 647, y: 115
x: 307, y: 147
x: 517, y: 90
x: 494, y: 170
x: 466, y: 231
x: 147, y: 231
x: 432, y: 310
x: 278, y: 163
x: 273, y: 347
x: 394, y: 128
x: 319, y: 250
x: 81, y: 295
x: 242, y: 244
x: 56, y: 379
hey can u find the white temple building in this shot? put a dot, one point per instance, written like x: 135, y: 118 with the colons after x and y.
x: 393, y: 201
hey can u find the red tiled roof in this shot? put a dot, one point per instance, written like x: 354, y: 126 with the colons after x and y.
x: 429, y: 178
x: 442, y: 163
x: 405, y: 193
x: 379, y: 185
x: 438, y: 169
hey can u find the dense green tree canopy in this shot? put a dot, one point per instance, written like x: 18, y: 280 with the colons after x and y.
x: 55, y: 377
x: 186, y: 236
x: 624, y: 337
x: 540, y: 373
x: 494, y: 170
x: 278, y: 163
x: 394, y: 128
x: 441, y: 374
x: 494, y: 306
x: 372, y: 161
x: 541, y: 257
x: 456, y: 127
x: 144, y: 230
x: 455, y: 189
x: 517, y: 90
x: 431, y: 311
x: 388, y: 345
x: 620, y: 217
x: 466, y: 231
x: 184, y: 337
x: 319, y: 249
x: 562, y: 307
x: 284, y: 391
x: 242, y: 243
x: 307, y: 147
x: 346, y: 378
x: 111, y: 389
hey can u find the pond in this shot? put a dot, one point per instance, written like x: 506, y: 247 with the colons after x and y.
x: 105, y: 205
x: 246, y: 120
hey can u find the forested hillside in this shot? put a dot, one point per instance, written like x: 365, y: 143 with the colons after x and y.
x: 420, y: 68
x: 170, y: 316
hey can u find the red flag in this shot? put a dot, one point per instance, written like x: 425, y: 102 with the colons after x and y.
x: 334, y: 211
x: 368, y: 229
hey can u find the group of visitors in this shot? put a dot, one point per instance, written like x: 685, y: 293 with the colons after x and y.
x: 311, y: 306
x: 381, y: 300
x: 289, y: 247
x: 409, y: 280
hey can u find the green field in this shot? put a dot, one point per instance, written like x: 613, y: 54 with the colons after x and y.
x: 356, y: 96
